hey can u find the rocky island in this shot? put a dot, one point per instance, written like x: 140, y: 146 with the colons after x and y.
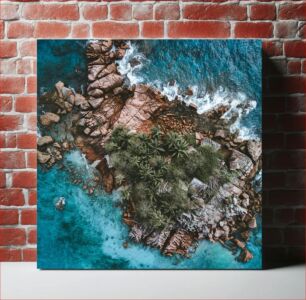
x: 183, y: 176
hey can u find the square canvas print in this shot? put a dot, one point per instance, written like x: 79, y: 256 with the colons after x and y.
x: 149, y: 154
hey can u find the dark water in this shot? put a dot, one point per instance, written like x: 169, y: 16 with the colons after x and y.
x: 89, y: 233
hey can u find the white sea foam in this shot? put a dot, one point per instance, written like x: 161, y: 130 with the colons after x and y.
x: 239, y: 104
x: 125, y: 67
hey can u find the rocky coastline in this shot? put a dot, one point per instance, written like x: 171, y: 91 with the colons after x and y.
x: 228, y: 216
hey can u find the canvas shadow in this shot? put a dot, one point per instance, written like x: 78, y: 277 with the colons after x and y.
x: 283, y: 237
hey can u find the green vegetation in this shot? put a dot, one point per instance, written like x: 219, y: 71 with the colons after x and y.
x: 156, y: 170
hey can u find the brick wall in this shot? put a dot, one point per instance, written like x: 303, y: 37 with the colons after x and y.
x: 281, y: 26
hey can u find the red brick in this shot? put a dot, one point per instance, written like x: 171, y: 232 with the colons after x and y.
x: 304, y: 66
x: 190, y: 29
x: 11, y: 85
x: 80, y: 31
x: 2, y: 143
x: 31, y: 160
x: 167, y: 12
x: 292, y: 11
x: 25, y: 104
x: 12, y: 160
x: 294, y: 67
x: 143, y: 11
x: 275, y: 236
x: 286, y: 29
x: 11, y: 197
x: 295, y: 179
x: 121, y: 12
x: 302, y: 31
x: 215, y: 12
x: 253, y: 30
x: 50, y: 11
x: 32, y: 197
x: 11, y: 141
x: 274, y: 179
x: 26, y: 141
x: 29, y: 254
x: 287, y: 198
x: 31, y: 122
x: 299, y: 216
x: 293, y: 122
x: 273, y: 140
x: 2, y: 180
x: 12, y: 236
x: 295, y: 104
x: 8, y: 67
x: 296, y: 141
x: 24, y: 179
x: 273, y: 105
x: 283, y: 160
x: 51, y: 30
x: 20, y: 30
x: 8, y: 216
x: 95, y: 12
x: 295, y: 236
x: 274, y: 254
x: 32, y: 236
x: 114, y: 30
x: 31, y: 84
x: 25, y: 66
x: 28, y: 48
x: 272, y: 48
x: 9, y: 12
x: 295, y: 49
x: 28, y: 217
x: 296, y: 254
x: 8, y: 49
x: 1, y: 29
x: 289, y: 84
x: 9, y: 254
x: 6, y: 103
x: 8, y: 122
x: 262, y: 12
x: 153, y: 29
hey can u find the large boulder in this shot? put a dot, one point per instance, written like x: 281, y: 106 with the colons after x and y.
x: 241, y: 163
x: 48, y: 118
x: 95, y: 102
x: 254, y: 149
x: 44, y: 140
x: 43, y: 157
x: 179, y: 243
x: 107, y: 83
x: 209, y: 142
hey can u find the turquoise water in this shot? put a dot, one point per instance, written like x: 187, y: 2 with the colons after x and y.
x: 89, y: 233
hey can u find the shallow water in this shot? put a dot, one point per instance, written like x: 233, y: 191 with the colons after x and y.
x: 89, y: 233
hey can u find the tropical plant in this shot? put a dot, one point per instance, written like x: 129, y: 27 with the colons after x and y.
x: 176, y: 145
x: 157, y: 169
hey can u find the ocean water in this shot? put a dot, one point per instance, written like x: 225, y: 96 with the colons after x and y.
x: 217, y: 71
x: 89, y: 233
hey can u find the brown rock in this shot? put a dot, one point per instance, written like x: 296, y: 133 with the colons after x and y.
x: 95, y: 103
x: 49, y: 118
x: 106, y: 175
x: 44, y: 140
x: 245, y: 256
x: 107, y: 83
x: 43, y: 157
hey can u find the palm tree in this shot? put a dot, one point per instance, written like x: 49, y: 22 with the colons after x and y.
x: 176, y: 145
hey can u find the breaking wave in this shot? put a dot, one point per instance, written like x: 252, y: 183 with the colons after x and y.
x: 240, y: 105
